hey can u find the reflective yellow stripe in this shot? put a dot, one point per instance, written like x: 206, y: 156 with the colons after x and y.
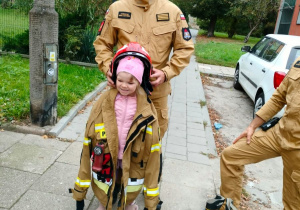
x: 134, y: 188
x: 156, y: 147
x: 86, y: 141
x: 82, y: 183
x: 102, y: 185
x: 153, y: 192
x: 149, y: 129
x: 99, y: 127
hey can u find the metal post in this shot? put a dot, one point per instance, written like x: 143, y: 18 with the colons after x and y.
x: 43, y: 54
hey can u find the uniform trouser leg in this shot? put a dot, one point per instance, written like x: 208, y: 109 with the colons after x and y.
x: 161, y: 106
x: 263, y: 146
x: 291, y: 179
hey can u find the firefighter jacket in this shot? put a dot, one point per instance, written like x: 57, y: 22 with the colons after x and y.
x: 158, y: 25
x: 141, y: 158
x: 287, y: 130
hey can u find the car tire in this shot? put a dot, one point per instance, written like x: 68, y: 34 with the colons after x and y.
x: 259, y: 102
x: 236, y: 83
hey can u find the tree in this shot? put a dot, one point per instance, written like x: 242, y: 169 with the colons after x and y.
x: 209, y: 10
x: 254, y: 11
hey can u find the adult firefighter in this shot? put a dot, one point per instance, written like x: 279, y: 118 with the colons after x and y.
x: 159, y: 26
x: 281, y: 140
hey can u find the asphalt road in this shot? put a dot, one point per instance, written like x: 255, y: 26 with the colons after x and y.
x: 235, y: 109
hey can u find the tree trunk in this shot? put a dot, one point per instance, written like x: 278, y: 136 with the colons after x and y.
x: 249, y: 34
x: 232, y: 28
x: 212, y: 25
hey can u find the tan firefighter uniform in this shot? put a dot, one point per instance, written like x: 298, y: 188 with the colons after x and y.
x: 141, y: 159
x: 158, y: 25
x: 281, y: 140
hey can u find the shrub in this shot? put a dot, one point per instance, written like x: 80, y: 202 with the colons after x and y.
x: 18, y: 44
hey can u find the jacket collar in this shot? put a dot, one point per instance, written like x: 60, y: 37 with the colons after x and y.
x: 143, y: 3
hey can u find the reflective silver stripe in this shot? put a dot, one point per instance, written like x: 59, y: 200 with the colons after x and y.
x: 99, y: 127
x: 153, y: 192
x: 86, y: 141
x: 82, y: 183
x: 149, y: 129
x: 155, y: 147
x: 137, y: 182
x: 106, y: 182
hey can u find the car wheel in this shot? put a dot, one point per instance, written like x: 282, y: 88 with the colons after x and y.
x: 259, y: 102
x: 236, y: 83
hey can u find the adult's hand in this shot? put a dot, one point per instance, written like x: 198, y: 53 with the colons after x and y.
x: 256, y: 122
x: 109, y: 80
x: 159, y: 76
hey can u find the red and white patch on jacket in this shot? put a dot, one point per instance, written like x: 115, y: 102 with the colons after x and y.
x: 182, y: 17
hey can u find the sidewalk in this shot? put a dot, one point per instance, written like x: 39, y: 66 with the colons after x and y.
x: 36, y: 172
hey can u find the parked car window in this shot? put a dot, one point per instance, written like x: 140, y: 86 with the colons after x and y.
x: 272, y: 50
x: 260, y: 46
x: 295, y: 53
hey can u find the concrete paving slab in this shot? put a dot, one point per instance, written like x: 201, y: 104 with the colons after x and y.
x: 195, y: 125
x: 175, y: 156
x: 196, y: 132
x: 15, y: 185
x: 194, y: 119
x: 198, y: 158
x: 72, y: 154
x: 173, y: 119
x: 175, y: 149
x: 197, y: 140
x: 197, y: 148
x: 176, y: 126
x: 177, y: 140
x: 35, y: 200
x: 7, y: 139
x: 29, y: 158
x: 177, y: 133
x: 47, y: 143
x: 58, y: 179
x: 68, y: 133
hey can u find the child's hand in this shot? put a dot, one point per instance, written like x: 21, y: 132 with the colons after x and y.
x: 160, y: 77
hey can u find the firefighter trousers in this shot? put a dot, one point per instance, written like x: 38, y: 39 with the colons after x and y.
x: 161, y: 106
x: 264, y: 145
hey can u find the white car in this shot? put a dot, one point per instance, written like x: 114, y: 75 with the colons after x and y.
x: 261, y: 70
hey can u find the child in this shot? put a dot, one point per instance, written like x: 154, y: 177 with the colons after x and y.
x: 122, y: 138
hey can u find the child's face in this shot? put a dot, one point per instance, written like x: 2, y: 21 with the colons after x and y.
x: 126, y: 84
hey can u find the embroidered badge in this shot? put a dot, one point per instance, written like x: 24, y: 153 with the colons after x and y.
x: 297, y: 65
x: 107, y: 11
x: 162, y: 17
x: 186, y: 34
x: 182, y: 17
x: 101, y: 27
x: 124, y: 15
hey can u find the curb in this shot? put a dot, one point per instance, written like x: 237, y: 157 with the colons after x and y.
x: 62, y: 123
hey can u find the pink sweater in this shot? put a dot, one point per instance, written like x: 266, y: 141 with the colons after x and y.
x: 125, y: 108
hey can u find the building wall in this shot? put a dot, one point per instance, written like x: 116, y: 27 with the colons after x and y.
x: 295, y: 28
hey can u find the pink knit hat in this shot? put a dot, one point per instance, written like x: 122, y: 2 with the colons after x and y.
x: 133, y: 66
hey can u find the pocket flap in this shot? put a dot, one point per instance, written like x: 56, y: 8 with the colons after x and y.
x: 294, y: 74
x: 125, y: 26
x: 164, y: 29
x: 296, y: 176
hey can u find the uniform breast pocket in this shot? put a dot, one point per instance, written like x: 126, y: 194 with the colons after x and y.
x: 125, y: 30
x: 163, y: 36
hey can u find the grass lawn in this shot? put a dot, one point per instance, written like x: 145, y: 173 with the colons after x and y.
x: 74, y: 82
x: 220, y: 50
x: 12, y: 22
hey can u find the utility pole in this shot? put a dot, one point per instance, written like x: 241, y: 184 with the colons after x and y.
x: 43, y: 54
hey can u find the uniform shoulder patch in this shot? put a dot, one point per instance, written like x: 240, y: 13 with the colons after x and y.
x: 101, y: 27
x: 162, y: 17
x: 182, y: 17
x: 124, y: 15
x: 297, y: 64
x: 186, y: 34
